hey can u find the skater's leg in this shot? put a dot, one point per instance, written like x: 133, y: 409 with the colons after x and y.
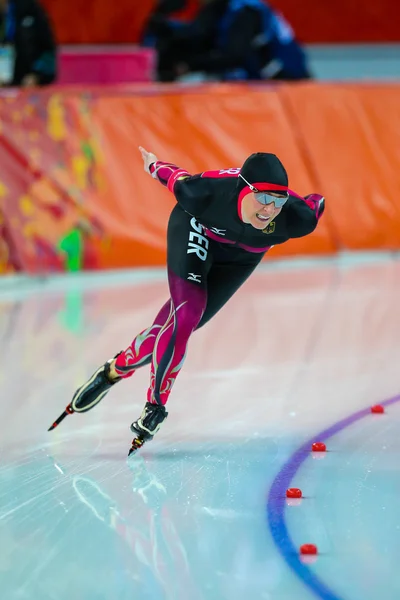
x: 188, y: 302
x: 140, y: 352
x: 189, y: 263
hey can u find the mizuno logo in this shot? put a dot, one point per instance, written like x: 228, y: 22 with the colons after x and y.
x: 218, y: 231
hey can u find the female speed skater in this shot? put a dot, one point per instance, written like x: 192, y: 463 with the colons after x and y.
x: 218, y: 232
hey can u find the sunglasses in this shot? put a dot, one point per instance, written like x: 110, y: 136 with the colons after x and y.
x: 265, y: 198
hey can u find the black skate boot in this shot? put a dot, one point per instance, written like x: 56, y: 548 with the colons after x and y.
x: 147, y: 425
x: 90, y: 393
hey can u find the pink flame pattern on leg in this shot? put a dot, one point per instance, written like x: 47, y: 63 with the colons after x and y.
x: 140, y: 352
x: 187, y: 307
x: 164, y: 343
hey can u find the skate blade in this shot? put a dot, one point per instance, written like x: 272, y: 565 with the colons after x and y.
x: 68, y: 411
x: 136, y: 445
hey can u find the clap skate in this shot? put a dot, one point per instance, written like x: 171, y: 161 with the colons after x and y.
x: 89, y: 394
x: 147, y: 425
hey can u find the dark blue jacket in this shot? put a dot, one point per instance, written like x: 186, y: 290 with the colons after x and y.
x: 236, y: 39
x: 272, y: 49
x: 27, y: 28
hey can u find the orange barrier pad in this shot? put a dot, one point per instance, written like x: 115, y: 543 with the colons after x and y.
x: 74, y: 193
x: 351, y: 138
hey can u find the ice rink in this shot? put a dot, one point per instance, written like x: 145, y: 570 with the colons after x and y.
x: 299, y: 355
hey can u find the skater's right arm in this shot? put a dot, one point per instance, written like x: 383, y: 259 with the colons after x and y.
x: 191, y: 191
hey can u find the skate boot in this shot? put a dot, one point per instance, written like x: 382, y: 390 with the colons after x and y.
x: 90, y: 393
x: 147, y: 425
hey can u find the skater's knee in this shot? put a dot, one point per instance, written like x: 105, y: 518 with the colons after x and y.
x: 188, y: 318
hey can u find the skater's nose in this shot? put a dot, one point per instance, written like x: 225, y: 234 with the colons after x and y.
x: 268, y: 209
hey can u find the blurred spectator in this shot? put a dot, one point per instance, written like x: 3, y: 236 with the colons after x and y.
x: 158, y: 22
x: 27, y: 46
x: 228, y: 40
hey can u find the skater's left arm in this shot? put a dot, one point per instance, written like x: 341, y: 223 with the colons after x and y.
x: 166, y: 173
x: 304, y: 214
x: 191, y: 191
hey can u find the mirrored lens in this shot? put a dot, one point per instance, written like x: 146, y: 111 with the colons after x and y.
x: 264, y: 198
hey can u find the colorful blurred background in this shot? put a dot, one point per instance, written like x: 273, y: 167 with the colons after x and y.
x: 73, y: 193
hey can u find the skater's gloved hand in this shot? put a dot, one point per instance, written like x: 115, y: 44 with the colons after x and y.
x: 316, y: 202
x: 148, y: 159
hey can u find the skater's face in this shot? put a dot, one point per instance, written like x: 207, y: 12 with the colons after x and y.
x: 259, y: 215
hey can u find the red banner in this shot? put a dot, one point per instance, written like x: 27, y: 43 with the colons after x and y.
x: 102, y: 22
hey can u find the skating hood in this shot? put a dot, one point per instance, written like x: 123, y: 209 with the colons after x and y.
x: 264, y: 171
